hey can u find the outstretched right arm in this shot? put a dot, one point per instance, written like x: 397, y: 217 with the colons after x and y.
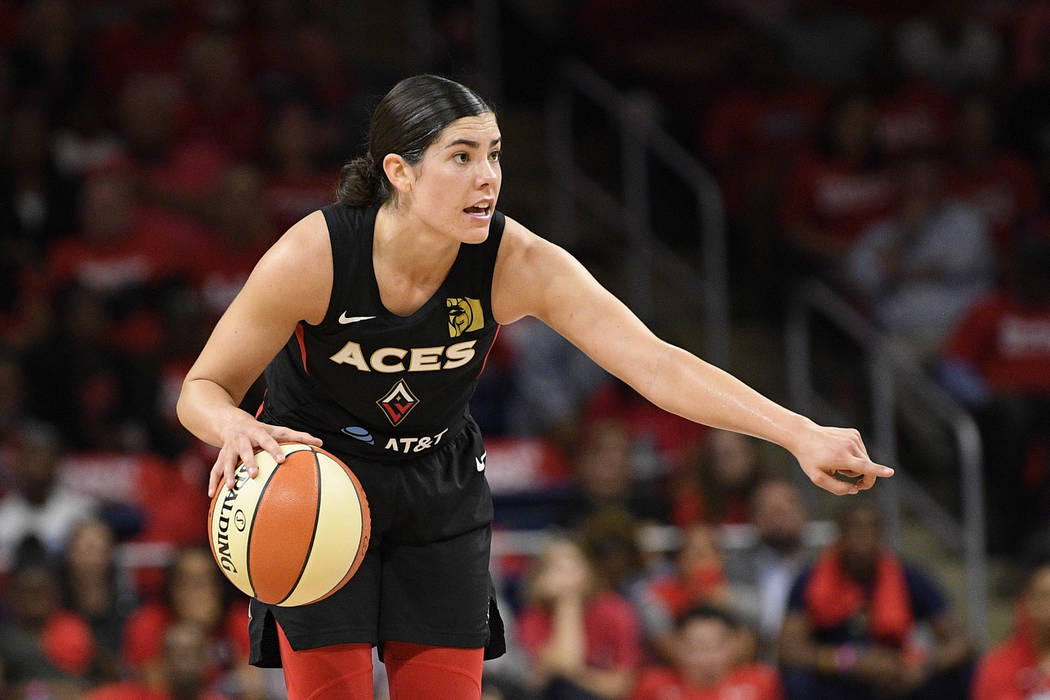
x: 292, y: 282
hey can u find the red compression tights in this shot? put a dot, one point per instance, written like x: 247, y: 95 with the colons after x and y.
x: 438, y: 673
x: 414, y: 671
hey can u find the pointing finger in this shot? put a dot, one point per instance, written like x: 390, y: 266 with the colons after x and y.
x: 861, y: 465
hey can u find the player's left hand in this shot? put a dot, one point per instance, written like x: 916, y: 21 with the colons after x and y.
x: 836, y: 460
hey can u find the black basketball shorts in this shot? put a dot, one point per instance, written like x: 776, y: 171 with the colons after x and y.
x: 425, y: 577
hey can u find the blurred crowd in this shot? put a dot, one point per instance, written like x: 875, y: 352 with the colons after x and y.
x: 152, y: 150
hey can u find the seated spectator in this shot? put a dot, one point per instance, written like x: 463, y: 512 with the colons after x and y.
x: 761, y: 574
x: 40, y: 643
x: 697, y: 578
x: 37, y: 202
x: 850, y: 630
x: 663, y: 441
x: 999, y: 183
x: 610, y: 540
x: 242, y: 231
x: 295, y: 184
x: 39, y: 506
x: 705, y: 666
x: 603, y: 466
x: 583, y: 642
x: 717, y: 487
x: 173, y: 172
x: 833, y: 195
x: 95, y: 588
x: 997, y: 362
x: 1015, y: 669
x: 919, y: 269
x: 220, y: 107
x: 180, y: 676
x: 196, y: 592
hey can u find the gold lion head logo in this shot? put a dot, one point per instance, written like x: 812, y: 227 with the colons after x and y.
x: 464, y: 314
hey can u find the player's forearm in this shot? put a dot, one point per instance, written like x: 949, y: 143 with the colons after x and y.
x: 206, y: 409
x: 568, y: 639
x: 688, y: 386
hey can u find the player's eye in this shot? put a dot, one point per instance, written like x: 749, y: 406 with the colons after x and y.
x: 461, y: 157
x: 495, y: 156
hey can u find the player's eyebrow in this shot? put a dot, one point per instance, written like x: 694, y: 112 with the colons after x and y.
x: 473, y: 144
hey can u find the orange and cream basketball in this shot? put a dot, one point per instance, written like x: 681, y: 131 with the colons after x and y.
x: 296, y: 532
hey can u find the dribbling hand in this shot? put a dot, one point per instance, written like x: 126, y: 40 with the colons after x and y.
x: 239, y: 441
x: 836, y: 460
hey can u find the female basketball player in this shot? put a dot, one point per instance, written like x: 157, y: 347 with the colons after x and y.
x: 372, y: 318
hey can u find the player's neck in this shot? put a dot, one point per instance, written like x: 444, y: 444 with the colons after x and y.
x: 406, y: 244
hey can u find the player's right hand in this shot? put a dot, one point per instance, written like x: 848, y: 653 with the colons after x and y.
x: 239, y: 442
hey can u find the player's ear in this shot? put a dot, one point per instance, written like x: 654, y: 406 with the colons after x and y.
x: 398, y: 172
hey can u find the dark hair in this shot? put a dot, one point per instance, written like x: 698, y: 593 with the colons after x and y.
x: 407, y: 120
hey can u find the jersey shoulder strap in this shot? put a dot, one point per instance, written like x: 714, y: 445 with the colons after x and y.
x: 350, y: 233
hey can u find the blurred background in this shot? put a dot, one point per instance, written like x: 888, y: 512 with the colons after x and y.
x: 842, y: 202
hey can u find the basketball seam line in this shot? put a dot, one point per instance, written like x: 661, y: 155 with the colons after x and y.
x: 313, y: 531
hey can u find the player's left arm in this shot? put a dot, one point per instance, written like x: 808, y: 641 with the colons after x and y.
x: 537, y: 278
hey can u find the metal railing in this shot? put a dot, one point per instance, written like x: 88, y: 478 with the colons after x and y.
x: 640, y: 140
x: 888, y: 371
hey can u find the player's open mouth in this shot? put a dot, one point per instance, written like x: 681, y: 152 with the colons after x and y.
x: 482, y: 209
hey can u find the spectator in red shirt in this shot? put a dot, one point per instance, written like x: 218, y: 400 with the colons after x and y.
x: 180, y: 676
x: 94, y: 587
x: 41, y: 643
x: 997, y: 361
x: 241, y: 229
x: 583, y: 642
x: 850, y: 630
x: 153, y: 32
x: 705, y: 666
x: 1017, y: 668
x: 295, y: 184
x: 834, y: 194
x: 717, y: 486
x: 697, y: 578
x: 919, y: 269
x: 220, y: 107
x: 175, y: 172
x: 605, y: 464
x: 197, y: 593
x: 1000, y: 183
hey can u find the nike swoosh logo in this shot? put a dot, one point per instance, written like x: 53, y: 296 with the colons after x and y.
x: 344, y: 319
x: 479, y: 462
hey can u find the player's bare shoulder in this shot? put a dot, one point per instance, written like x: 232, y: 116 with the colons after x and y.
x: 297, y: 269
x: 526, y: 266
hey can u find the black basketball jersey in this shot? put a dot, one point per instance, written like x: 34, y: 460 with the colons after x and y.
x: 374, y: 384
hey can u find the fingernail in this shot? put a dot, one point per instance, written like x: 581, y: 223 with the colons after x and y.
x: 887, y: 471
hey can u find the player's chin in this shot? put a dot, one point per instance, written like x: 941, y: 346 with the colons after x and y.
x: 475, y: 230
